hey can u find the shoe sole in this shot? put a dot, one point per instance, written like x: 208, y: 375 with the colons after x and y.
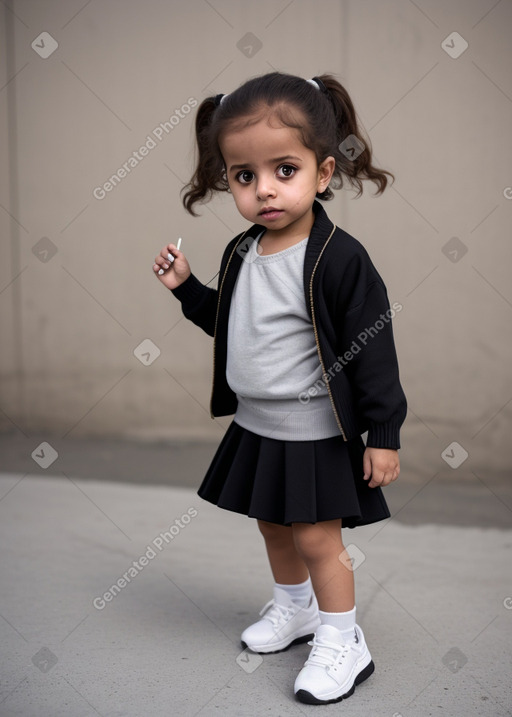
x: 310, y: 699
x: 297, y: 641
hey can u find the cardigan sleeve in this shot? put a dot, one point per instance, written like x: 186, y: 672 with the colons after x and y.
x: 198, y: 303
x: 365, y: 339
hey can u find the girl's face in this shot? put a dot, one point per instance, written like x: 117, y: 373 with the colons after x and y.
x: 274, y: 178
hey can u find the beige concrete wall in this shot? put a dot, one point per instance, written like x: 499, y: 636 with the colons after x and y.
x: 70, y: 322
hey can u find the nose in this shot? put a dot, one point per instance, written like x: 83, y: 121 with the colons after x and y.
x: 265, y: 187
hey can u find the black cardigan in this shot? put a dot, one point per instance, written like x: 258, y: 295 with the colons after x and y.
x: 348, y: 304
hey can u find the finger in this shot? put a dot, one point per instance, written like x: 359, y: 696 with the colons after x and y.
x: 171, y: 249
x: 377, y: 478
x: 367, y: 467
x: 171, y: 254
x: 162, y: 259
x: 164, y: 254
x: 387, y: 478
x: 160, y: 267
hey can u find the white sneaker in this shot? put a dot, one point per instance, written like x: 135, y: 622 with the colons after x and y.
x: 333, y: 668
x: 284, y: 624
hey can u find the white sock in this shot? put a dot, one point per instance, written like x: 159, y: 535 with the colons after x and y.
x: 345, y: 622
x: 300, y: 594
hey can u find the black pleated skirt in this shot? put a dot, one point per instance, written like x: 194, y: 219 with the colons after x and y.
x: 289, y: 482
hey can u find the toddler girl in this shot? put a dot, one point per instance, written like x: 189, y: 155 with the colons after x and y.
x: 304, y: 358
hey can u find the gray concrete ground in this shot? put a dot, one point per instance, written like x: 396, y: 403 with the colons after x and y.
x: 434, y: 592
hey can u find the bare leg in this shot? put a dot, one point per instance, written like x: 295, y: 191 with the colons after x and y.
x: 320, y: 546
x: 288, y: 568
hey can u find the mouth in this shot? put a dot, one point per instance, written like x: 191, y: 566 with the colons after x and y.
x: 270, y: 213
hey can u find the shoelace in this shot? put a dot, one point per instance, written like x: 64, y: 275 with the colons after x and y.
x: 276, y: 613
x: 321, y: 654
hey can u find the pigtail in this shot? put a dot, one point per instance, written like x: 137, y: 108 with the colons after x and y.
x: 351, y: 163
x: 208, y: 176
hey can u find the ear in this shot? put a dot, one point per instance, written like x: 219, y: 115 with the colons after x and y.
x: 325, y: 172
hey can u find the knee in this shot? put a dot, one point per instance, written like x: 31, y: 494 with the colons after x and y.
x: 311, y: 542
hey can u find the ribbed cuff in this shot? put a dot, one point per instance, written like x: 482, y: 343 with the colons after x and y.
x: 383, y: 435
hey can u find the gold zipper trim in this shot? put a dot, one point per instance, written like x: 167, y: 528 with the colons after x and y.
x: 217, y: 317
x: 324, y: 372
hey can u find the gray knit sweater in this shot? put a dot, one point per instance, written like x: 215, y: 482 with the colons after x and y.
x: 272, y: 357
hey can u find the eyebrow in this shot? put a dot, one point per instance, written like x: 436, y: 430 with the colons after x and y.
x: 270, y: 161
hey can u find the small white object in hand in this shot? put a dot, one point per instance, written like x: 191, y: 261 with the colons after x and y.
x: 170, y: 257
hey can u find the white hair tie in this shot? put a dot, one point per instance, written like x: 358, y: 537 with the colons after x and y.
x: 219, y: 99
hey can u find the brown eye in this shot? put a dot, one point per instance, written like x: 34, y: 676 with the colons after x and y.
x: 286, y: 170
x: 245, y: 177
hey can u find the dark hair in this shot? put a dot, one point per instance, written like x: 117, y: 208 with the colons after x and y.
x: 325, y: 120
